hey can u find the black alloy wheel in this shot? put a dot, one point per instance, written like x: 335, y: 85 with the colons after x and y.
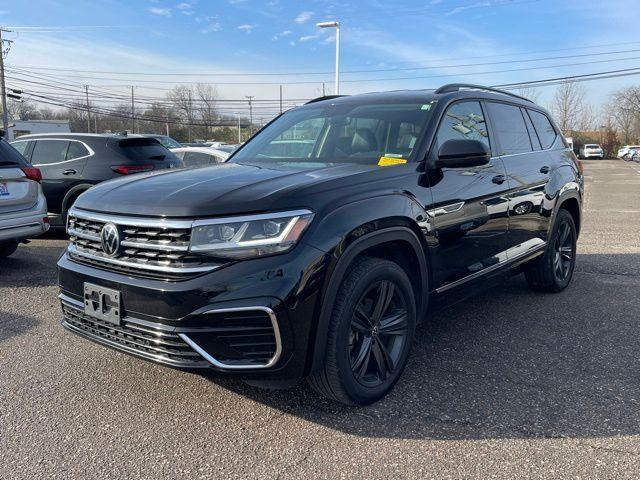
x: 564, y: 252
x: 378, y: 333
x: 370, y: 333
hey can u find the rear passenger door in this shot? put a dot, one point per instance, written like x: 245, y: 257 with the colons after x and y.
x: 528, y: 167
x: 61, y: 163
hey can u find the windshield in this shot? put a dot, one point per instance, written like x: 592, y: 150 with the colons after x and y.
x: 341, y: 132
x: 168, y: 142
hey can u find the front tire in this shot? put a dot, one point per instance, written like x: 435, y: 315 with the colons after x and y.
x: 370, y: 334
x: 7, y: 249
x: 554, y: 270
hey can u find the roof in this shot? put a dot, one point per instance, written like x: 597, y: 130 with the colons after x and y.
x: 22, y: 122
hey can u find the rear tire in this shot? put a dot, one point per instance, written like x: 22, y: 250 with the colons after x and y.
x: 7, y: 249
x: 554, y: 270
x: 370, y: 333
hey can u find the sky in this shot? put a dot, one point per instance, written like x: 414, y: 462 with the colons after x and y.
x: 251, y: 47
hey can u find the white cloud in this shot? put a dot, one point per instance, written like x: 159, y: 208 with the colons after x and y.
x: 306, y: 38
x: 284, y: 33
x: 185, y: 6
x: 247, y: 27
x: 233, y: 2
x: 212, y: 27
x: 163, y: 12
x: 303, y: 17
x: 329, y: 39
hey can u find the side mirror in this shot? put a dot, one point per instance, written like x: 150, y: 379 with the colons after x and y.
x: 463, y: 153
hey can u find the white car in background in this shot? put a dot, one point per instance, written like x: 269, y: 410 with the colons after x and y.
x: 200, y: 156
x: 23, y: 208
x: 624, y: 151
x: 591, y: 150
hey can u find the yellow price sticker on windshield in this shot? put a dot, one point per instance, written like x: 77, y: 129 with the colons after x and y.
x: 388, y: 161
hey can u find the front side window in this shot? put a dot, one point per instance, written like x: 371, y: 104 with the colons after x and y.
x: 546, y: 133
x: 49, y: 151
x: 463, y: 121
x: 341, y: 132
x: 510, y: 128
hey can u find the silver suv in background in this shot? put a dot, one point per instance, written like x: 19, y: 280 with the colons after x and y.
x: 591, y: 150
x: 23, y: 208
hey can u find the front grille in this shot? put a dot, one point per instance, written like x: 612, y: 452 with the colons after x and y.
x: 157, y: 345
x: 158, y: 249
x: 239, y: 338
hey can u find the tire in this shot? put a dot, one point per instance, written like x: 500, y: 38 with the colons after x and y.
x: 7, y: 249
x: 370, y: 333
x: 554, y: 270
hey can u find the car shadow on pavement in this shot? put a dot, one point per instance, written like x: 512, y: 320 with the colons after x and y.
x: 12, y: 325
x: 508, y: 363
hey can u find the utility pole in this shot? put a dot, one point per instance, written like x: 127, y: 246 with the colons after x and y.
x: 133, y: 112
x: 280, y: 99
x: 250, y: 98
x: 3, y: 89
x: 324, y: 92
x: 189, y: 113
x: 239, y: 131
x: 86, y: 92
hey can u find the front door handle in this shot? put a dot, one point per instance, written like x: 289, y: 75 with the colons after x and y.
x: 70, y: 171
x: 499, y: 179
x: 545, y: 170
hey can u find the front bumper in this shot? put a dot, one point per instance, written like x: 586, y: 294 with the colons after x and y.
x: 252, y: 319
x: 17, y: 226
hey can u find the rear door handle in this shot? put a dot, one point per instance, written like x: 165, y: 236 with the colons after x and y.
x: 70, y: 171
x: 545, y: 170
x: 499, y: 179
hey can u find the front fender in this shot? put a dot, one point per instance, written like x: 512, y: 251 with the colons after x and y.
x: 350, y: 230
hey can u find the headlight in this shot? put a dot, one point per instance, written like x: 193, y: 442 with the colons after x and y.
x: 249, y: 236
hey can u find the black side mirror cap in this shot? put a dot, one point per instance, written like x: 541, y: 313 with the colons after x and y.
x: 463, y: 153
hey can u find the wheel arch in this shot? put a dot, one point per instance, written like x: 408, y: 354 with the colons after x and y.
x: 73, y: 193
x: 398, y: 243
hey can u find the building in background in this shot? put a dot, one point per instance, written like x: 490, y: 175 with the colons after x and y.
x: 25, y: 127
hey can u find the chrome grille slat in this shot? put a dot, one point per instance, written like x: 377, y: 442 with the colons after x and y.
x: 158, y: 250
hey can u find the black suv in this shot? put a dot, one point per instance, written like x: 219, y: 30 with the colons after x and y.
x: 73, y: 162
x: 274, y: 268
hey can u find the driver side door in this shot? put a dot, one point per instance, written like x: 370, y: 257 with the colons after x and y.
x: 469, y: 211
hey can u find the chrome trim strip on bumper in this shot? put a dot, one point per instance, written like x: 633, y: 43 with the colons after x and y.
x: 276, y: 332
x: 183, y: 334
x: 140, y: 266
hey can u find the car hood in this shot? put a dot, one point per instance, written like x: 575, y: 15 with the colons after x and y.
x: 227, y: 188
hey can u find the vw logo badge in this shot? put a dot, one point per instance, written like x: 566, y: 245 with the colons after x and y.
x: 110, y: 239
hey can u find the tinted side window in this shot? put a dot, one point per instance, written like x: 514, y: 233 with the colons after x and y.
x: 76, y: 150
x: 463, y: 120
x: 198, y: 159
x: 510, y: 128
x: 546, y: 132
x: 20, y: 146
x: 532, y: 133
x: 9, y: 156
x: 49, y: 151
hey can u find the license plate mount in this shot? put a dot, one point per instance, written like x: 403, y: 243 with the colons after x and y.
x: 103, y: 303
x: 4, y: 189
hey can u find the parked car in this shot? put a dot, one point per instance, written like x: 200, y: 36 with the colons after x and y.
x: 633, y: 155
x: 200, y: 156
x: 229, y: 148
x: 72, y: 163
x: 165, y: 140
x: 23, y: 208
x: 591, y: 150
x: 318, y: 262
x: 625, y: 151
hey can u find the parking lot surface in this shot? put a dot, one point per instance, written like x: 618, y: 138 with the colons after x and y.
x: 507, y: 384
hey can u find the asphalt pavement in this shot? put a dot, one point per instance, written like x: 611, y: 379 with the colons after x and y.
x: 508, y: 384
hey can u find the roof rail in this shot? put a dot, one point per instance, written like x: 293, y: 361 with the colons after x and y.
x: 326, y: 97
x: 456, y: 87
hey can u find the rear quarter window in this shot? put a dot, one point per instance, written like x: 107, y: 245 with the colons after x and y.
x: 10, y: 157
x: 510, y: 128
x: 546, y: 133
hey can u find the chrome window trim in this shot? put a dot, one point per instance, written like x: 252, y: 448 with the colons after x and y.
x: 91, y: 152
x: 140, y: 266
x: 226, y: 366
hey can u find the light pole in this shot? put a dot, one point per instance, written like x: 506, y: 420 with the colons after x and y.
x: 239, y: 139
x: 335, y: 25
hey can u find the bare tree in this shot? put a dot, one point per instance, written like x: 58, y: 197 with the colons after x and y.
x: 568, y: 106
x: 529, y: 92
